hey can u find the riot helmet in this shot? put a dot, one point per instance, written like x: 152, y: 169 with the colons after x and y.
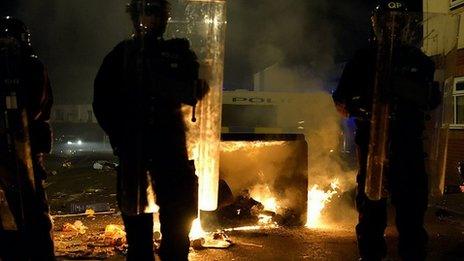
x: 386, y: 6
x: 391, y: 17
x: 11, y: 27
x: 149, y: 16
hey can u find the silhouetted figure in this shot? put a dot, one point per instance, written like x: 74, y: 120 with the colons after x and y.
x: 139, y: 91
x: 410, y: 92
x: 25, y: 137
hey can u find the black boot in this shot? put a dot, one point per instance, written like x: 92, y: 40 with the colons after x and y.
x: 139, y: 235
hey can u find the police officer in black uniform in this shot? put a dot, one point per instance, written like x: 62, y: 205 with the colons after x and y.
x: 411, y: 94
x: 24, y: 76
x: 139, y: 91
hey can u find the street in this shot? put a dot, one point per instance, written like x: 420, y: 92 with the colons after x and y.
x: 81, y: 186
x: 446, y: 241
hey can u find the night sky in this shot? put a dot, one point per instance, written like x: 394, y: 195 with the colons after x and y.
x: 72, y: 37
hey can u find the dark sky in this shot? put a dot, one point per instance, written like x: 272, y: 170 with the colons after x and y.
x: 72, y: 37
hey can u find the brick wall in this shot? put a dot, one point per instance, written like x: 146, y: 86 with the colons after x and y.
x: 455, y: 153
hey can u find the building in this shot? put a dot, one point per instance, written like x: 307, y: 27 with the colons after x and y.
x: 444, y: 42
x: 82, y: 113
x: 73, y: 123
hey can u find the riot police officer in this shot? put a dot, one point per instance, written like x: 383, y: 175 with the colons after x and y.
x: 410, y: 94
x: 139, y: 91
x: 25, y: 137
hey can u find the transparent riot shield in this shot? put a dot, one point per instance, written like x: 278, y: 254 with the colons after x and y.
x: 203, y: 22
x: 403, y: 84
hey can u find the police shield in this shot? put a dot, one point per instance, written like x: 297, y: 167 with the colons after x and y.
x: 400, y: 74
x: 16, y: 167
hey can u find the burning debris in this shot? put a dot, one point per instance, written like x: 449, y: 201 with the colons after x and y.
x: 245, y: 210
x: 274, y: 173
x: 317, y: 201
x: 254, y: 209
x: 200, y: 239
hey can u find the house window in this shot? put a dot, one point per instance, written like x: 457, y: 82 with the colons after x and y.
x: 458, y: 102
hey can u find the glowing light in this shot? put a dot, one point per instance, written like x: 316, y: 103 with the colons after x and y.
x: 264, y: 219
x: 215, y: 21
x: 151, y: 207
x: 230, y: 146
x: 263, y: 194
x: 196, y: 231
x: 317, y: 201
x: 206, y: 32
x: 248, y: 228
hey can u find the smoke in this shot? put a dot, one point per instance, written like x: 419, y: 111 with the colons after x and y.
x: 267, y: 168
x: 315, y: 34
x: 302, y: 40
x: 306, y: 102
x: 296, y: 46
x: 72, y: 37
x: 323, y: 131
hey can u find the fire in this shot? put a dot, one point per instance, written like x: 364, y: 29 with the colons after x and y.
x: 270, y: 204
x: 196, y: 231
x: 263, y: 194
x: 250, y: 228
x: 205, y: 28
x: 264, y: 219
x: 151, y: 207
x: 317, y: 201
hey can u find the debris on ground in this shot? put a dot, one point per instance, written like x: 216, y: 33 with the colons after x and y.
x: 76, y: 228
x: 115, y: 234
x: 71, y: 243
x: 218, y: 240
x: 104, y: 165
x: 66, y: 164
x: 90, y: 213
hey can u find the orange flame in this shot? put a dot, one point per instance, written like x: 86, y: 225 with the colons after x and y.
x: 263, y: 194
x: 317, y: 201
x: 196, y: 231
